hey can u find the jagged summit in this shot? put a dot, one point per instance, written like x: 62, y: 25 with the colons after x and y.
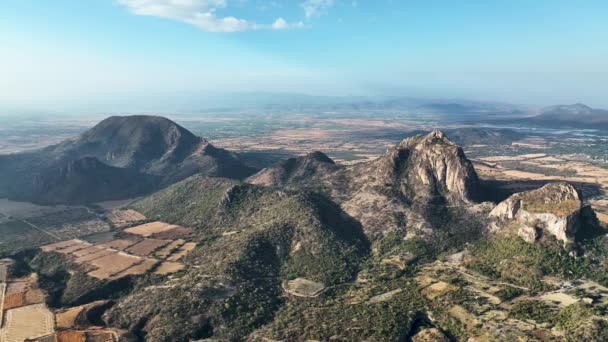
x: 429, y: 166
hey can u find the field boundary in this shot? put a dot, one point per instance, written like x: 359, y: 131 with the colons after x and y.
x: 2, y: 291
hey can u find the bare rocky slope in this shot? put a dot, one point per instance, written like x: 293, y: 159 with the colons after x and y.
x: 393, y: 192
x: 126, y: 156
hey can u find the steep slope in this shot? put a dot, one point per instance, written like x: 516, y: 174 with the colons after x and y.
x: 87, y: 179
x: 253, y: 239
x: 147, y: 143
x: 156, y: 148
x: 401, y: 190
x: 427, y: 168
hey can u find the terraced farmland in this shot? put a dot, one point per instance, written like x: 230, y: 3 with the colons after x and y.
x: 133, y: 252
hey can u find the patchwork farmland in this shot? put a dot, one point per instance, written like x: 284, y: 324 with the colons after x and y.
x: 135, y: 251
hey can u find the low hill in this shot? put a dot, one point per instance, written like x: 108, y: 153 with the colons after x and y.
x: 253, y: 239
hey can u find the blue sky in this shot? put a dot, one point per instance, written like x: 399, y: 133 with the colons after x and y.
x: 138, y: 54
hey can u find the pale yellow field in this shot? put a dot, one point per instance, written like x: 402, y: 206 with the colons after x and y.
x: 182, y: 252
x: 168, y: 267
x: 165, y: 251
x: 112, y: 264
x: 138, y: 269
x: 60, y: 245
x: 150, y: 228
x: 27, y: 322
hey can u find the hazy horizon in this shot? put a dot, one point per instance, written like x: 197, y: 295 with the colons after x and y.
x: 161, y: 55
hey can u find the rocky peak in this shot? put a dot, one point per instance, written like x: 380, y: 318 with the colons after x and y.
x: 429, y: 166
x: 556, y: 208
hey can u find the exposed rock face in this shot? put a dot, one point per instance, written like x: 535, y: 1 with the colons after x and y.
x: 430, y: 335
x: 555, y: 208
x: 430, y: 166
x: 391, y: 192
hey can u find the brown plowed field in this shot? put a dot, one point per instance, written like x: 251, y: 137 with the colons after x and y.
x: 168, y: 249
x: 59, y: 245
x: 14, y: 300
x: 168, y: 267
x: 93, y: 256
x: 141, y: 268
x: 100, y: 336
x: 182, y: 252
x: 112, y: 264
x: 65, y: 319
x: 120, y: 244
x: 173, y: 233
x: 34, y: 297
x: 120, y: 218
x: 150, y: 228
x: 73, y: 248
x: 87, y: 251
x: 70, y: 336
x: 147, y: 246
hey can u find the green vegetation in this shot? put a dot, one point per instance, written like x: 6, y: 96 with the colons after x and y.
x: 308, y: 319
x: 509, y: 293
x: 535, y: 310
x: 561, y: 208
x: 514, y: 260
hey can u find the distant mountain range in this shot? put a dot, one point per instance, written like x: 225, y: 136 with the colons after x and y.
x: 566, y: 116
x: 118, y: 158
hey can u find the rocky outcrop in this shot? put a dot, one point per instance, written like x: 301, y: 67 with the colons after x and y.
x: 428, y: 166
x: 397, y: 191
x: 554, y: 209
x: 430, y: 335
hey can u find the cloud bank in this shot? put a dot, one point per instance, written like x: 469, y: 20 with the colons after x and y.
x: 202, y: 14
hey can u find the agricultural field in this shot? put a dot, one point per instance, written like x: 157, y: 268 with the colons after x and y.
x: 27, y: 322
x: 132, y: 253
x: 23, y: 312
x: 120, y: 218
x: 25, y: 231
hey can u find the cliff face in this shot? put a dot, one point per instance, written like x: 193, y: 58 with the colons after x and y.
x: 428, y: 167
x: 556, y: 209
x: 392, y: 192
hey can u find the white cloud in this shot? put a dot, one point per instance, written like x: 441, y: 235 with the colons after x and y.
x: 281, y: 24
x: 200, y: 13
x: 316, y: 8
